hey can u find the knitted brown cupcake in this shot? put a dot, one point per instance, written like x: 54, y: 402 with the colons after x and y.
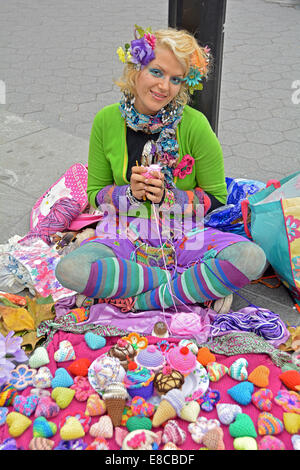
x: 167, y: 379
x: 124, y: 351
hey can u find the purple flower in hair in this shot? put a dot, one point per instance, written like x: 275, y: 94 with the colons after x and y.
x: 141, y: 52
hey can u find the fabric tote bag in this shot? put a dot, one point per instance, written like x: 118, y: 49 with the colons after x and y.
x: 275, y: 226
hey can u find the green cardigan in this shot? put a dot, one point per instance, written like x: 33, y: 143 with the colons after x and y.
x: 108, y: 158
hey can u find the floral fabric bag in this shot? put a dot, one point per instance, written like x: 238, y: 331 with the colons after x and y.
x: 275, y: 226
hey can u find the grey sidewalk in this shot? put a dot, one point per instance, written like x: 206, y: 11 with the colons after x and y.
x: 58, y: 62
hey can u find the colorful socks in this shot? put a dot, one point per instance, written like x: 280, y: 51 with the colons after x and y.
x: 117, y: 278
x: 207, y: 280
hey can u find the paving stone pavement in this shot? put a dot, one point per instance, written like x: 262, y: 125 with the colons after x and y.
x: 58, y: 66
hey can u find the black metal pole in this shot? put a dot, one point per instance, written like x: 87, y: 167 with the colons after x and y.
x: 205, y: 20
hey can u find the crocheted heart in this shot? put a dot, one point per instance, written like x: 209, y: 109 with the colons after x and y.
x: 140, y: 407
x: 65, y: 352
x: 95, y: 406
x: 72, y: 429
x: 271, y: 443
x: 291, y: 379
x: 260, y: 376
x: 216, y: 371
x: 227, y: 412
x: 43, y: 378
x: 204, y: 356
x: 43, y: 428
x: 269, y: 424
x: 103, y: 428
x: 238, y: 369
x: 262, y: 399
x: 8, y: 394
x: 242, y: 392
x: 17, y: 423
x: 213, y: 439
x: 3, y: 414
x: 243, y: 426
x: 296, y: 441
x: 47, y: 408
x: 288, y: 400
x: 39, y: 357
x: 201, y: 427
x: 82, y: 387
x: 84, y: 420
x: 173, y: 433
x: 61, y: 379
x: 291, y: 422
x: 41, y: 443
x: 26, y: 405
x: 63, y: 396
x: 245, y: 443
x: 22, y: 376
x: 120, y: 434
x: 94, y: 341
x: 80, y: 367
x: 190, y: 411
x: 138, y: 422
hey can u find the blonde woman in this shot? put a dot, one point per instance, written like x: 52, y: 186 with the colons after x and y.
x: 151, y: 244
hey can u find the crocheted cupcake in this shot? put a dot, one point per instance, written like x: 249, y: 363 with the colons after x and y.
x: 151, y: 358
x: 124, y: 351
x: 182, y: 359
x: 167, y: 379
x: 139, y: 382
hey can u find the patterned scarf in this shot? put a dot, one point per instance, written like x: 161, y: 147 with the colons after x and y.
x: 164, y: 151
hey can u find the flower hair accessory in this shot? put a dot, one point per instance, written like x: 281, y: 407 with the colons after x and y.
x: 141, y: 50
x: 198, y: 70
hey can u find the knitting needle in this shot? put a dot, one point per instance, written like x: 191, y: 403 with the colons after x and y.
x: 137, y: 164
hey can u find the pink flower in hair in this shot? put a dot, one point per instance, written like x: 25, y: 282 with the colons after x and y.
x: 151, y: 39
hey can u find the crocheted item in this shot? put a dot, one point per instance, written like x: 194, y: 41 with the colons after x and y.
x: 65, y: 352
x: 25, y: 405
x: 43, y: 378
x: 139, y: 382
x: 242, y: 392
x: 39, y: 357
x: 216, y: 371
x: 151, y: 358
x: 46, y: 407
x: 227, y: 412
x: 17, y: 423
x: 204, y: 356
x: 84, y: 420
x: 190, y: 345
x: 3, y: 414
x: 124, y: 351
x: 21, y: 377
x: 213, y: 439
x: 181, y: 359
x: 8, y: 394
x: 61, y: 378
x: 140, y: 407
x: 291, y: 379
x: 173, y: 433
x: 271, y: 443
x: 167, y: 379
x: 95, y: 406
x: 73, y: 444
x: 94, y: 341
x: 98, y: 444
x: 80, y: 367
x: 238, y: 370
x: 43, y: 428
x: 296, y: 441
x: 243, y: 426
x: 41, y: 443
x: 138, y: 422
x: 82, y: 388
x: 291, y: 422
x: 190, y: 411
x: 115, y: 397
x: 140, y: 440
x: 201, y: 427
x: 269, y: 424
x: 260, y: 376
x: 262, y: 399
x: 245, y: 443
x: 288, y: 400
x: 72, y: 429
x: 63, y: 396
x: 209, y: 399
x: 102, y: 428
x: 164, y: 411
x: 104, y: 371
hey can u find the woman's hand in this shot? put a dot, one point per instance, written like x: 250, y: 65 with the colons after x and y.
x: 141, y: 187
x: 137, y: 182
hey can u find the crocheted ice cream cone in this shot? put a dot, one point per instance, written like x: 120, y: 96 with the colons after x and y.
x: 115, y: 397
x: 169, y: 407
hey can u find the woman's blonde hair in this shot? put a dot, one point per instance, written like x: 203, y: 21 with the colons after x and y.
x: 187, y: 51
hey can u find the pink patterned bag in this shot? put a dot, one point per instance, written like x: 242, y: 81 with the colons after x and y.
x: 72, y: 184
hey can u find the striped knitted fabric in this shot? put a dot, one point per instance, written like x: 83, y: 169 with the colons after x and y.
x: 204, y: 281
x: 117, y: 278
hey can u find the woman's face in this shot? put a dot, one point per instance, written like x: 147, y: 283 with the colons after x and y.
x: 159, y: 82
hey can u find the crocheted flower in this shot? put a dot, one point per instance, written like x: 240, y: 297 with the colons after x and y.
x: 185, y: 167
x: 141, y: 52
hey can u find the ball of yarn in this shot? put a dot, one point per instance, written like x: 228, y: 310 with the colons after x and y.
x: 185, y: 323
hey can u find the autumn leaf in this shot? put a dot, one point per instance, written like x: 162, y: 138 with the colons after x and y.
x: 39, y: 310
x: 30, y: 341
x: 16, y: 319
